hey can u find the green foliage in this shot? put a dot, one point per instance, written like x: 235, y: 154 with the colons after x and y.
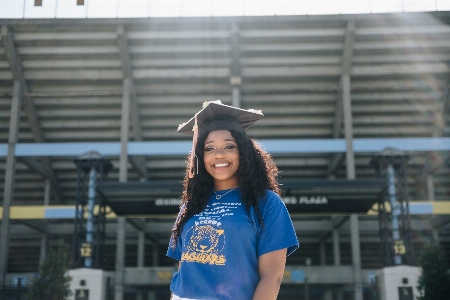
x: 53, y: 282
x: 434, y: 282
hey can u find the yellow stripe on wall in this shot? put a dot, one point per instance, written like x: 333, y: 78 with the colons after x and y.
x: 441, y: 207
x: 38, y: 212
x: 27, y: 212
x: 30, y: 212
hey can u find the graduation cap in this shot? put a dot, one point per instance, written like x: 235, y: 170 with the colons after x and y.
x: 217, y: 116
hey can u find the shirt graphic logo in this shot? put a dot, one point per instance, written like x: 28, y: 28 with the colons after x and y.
x: 205, y: 245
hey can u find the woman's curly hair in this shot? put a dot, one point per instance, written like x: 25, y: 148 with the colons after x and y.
x: 256, y: 173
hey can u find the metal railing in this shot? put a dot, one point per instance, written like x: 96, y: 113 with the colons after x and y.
x: 13, y: 292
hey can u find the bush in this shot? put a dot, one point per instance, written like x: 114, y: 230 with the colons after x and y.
x: 434, y: 282
x: 53, y: 282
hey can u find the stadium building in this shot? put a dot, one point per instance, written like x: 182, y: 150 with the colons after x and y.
x: 356, y: 109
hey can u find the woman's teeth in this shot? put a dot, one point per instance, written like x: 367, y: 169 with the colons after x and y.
x: 220, y: 165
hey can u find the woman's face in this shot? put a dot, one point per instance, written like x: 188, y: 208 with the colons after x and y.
x: 221, y: 158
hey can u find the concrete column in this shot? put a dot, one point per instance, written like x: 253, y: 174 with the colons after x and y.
x: 322, y: 253
x: 235, y: 67
x: 123, y: 175
x: 356, y: 256
x: 141, y: 249
x: 155, y: 255
x: 43, y: 252
x: 47, y: 190
x: 328, y: 295
x: 348, y: 126
x: 306, y: 288
x: 435, y: 236
x: 430, y: 187
x: 339, y: 294
x: 336, y: 248
x: 124, y: 131
x: 236, y: 96
x: 140, y: 296
x: 44, y: 236
x: 10, y: 172
x: 151, y: 296
x: 350, y: 159
x: 120, y: 258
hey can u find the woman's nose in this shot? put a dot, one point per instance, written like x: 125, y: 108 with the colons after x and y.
x: 219, y: 153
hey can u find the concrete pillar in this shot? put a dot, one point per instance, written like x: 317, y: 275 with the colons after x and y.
x: 236, y: 96
x: 48, y: 186
x: 328, y: 295
x: 435, y: 236
x: 356, y: 257
x: 339, y: 294
x: 336, y: 248
x: 151, y: 295
x: 322, y: 253
x: 306, y: 288
x: 123, y: 175
x: 141, y: 249
x: 43, y: 252
x: 348, y: 126
x: 155, y: 255
x: 120, y: 258
x: 350, y: 159
x: 44, y: 236
x: 235, y: 67
x: 430, y: 187
x: 10, y: 172
x: 124, y: 131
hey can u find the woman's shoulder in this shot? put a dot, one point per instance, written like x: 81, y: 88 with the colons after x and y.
x: 272, y: 198
x: 272, y: 195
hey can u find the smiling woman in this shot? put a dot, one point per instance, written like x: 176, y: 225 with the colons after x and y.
x: 231, y: 216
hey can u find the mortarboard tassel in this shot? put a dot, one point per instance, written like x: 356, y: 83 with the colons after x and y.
x: 193, y: 156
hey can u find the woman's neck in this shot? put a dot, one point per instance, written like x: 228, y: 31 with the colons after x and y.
x: 220, y: 186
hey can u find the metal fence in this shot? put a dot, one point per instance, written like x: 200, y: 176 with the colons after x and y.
x: 13, y: 293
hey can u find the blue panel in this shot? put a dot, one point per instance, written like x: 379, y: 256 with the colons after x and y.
x: 159, y: 148
x: 60, y: 213
x: 420, y: 208
x: 272, y: 146
x: 3, y: 150
x: 67, y: 149
x: 303, y: 146
x: 403, y: 144
x: 297, y: 276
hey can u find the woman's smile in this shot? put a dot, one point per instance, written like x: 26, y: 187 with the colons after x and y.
x: 219, y: 167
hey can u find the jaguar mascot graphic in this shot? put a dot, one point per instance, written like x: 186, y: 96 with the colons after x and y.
x: 205, y: 245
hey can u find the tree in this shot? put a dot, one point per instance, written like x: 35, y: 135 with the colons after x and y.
x: 434, y: 282
x: 53, y: 282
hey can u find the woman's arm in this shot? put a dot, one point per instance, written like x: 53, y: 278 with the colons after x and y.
x: 271, y: 270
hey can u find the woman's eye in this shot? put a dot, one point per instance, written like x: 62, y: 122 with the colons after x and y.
x: 209, y: 149
x: 229, y: 147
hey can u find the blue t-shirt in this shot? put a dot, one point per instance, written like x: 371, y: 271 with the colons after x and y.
x: 219, y: 247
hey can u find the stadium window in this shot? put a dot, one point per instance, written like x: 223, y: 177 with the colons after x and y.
x: 37, y: 2
x: 80, y: 2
